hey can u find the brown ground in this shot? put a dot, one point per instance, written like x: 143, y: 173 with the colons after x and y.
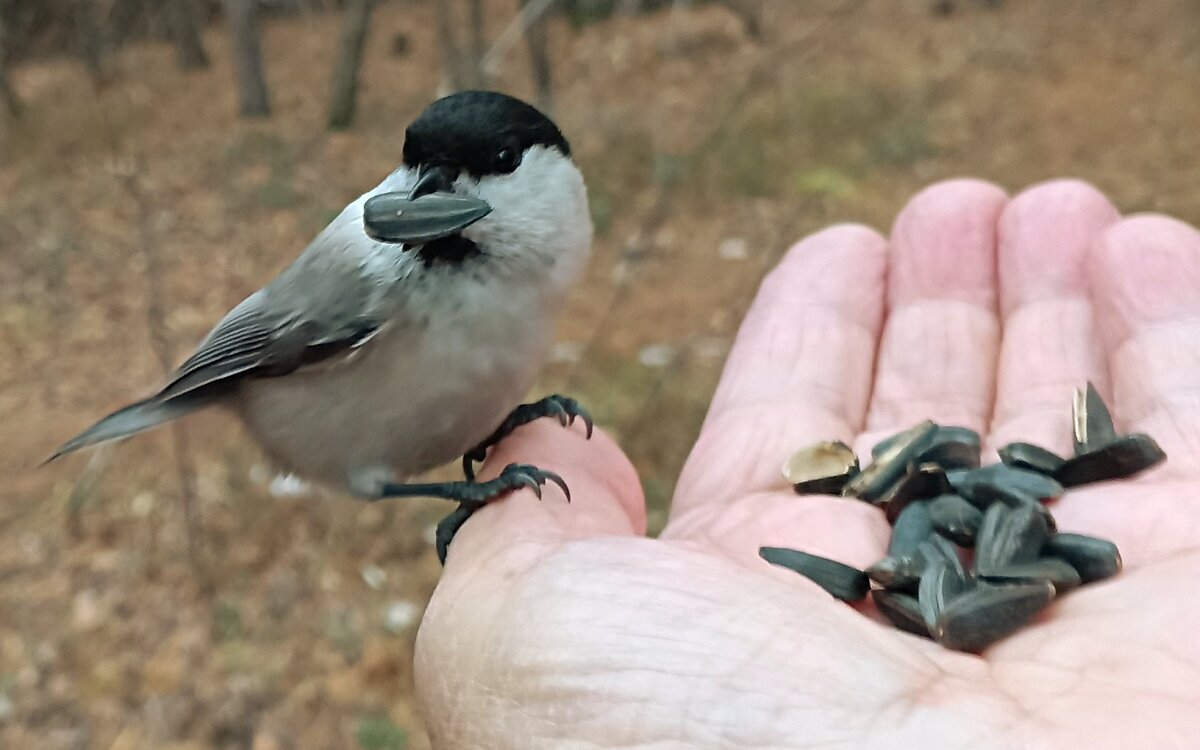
x: 106, y: 638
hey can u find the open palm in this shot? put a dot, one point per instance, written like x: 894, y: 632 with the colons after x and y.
x: 561, y: 625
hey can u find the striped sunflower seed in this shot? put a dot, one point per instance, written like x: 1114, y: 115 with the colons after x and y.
x: 955, y: 519
x: 1093, y: 424
x: 1094, y: 559
x: 1121, y: 458
x: 1031, y: 457
x: 842, y: 581
x: 1009, y: 536
x: 898, y: 573
x: 890, y: 464
x: 901, y: 610
x: 821, y: 468
x: 987, y: 614
x: 1058, y: 572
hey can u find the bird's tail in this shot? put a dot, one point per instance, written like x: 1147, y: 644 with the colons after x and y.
x: 135, y: 418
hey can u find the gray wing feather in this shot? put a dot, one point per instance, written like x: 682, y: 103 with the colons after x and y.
x: 275, y: 331
x: 251, y: 343
x: 247, y: 343
x: 136, y: 418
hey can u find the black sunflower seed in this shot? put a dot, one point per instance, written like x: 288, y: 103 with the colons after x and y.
x: 902, y: 610
x: 898, y: 573
x: 937, y: 548
x: 1058, y: 572
x: 1094, y: 559
x: 890, y: 464
x: 920, y: 483
x: 821, y: 468
x: 986, y: 614
x: 842, y: 581
x: 940, y: 585
x: 1002, y: 483
x: 1008, y: 536
x: 955, y: 519
x: 1120, y: 458
x: 912, y: 527
x: 1092, y: 422
x: 1031, y: 458
x: 952, y: 448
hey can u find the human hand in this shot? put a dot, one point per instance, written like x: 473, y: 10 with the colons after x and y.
x: 560, y: 625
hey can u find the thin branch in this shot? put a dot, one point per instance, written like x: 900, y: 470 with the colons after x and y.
x: 161, y: 343
x: 452, y: 62
x: 530, y: 12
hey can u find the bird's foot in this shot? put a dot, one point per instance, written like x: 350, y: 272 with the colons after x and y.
x: 471, y: 495
x: 565, y: 409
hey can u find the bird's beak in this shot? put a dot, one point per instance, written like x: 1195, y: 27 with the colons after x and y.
x: 433, y: 179
x: 425, y: 214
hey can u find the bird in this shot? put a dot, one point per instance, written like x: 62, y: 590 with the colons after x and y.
x: 406, y: 334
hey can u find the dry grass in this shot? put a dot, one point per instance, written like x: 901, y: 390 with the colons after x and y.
x: 105, y: 638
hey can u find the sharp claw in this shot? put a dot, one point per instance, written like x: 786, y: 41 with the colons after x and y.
x: 532, y: 484
x: 561, y: 483
x: 556, y: 409
x: 587, y: 422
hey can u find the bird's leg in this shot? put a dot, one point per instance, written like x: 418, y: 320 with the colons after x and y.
x: 565, y: 409
x: 471, y: 495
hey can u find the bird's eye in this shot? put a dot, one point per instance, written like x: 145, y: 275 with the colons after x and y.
x: 508, y: 159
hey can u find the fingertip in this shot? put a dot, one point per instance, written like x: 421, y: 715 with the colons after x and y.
x: 824, y: 267
x: 1143, y: 270
x: 943, y: 244
x: 604, y: 486
x: 1045, y: 233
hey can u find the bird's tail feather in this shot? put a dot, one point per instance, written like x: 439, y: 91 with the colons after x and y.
x: 135, y: 418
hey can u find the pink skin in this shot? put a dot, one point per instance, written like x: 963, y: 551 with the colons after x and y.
x: 560, y: 625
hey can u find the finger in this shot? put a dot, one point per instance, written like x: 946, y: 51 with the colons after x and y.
x: 937, y: 356
x: 1145, y: 276
x: 606, y: 498
x: 1050, y: 343
x: 799, y: 371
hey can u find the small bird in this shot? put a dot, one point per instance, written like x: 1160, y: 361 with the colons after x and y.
x: 403, y: 339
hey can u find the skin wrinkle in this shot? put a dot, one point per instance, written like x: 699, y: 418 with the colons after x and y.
x: 771, y: 635
x: 788, y: 338
x: 951, y: 397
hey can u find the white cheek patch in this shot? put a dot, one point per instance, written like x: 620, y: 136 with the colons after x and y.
x: 539, y: 211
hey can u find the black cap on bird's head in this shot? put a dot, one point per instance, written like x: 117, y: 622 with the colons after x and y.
x: 480, y: 133
x: 477, y: 133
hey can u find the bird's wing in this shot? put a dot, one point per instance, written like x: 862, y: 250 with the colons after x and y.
x: 247, y: 343
x: 251, y: 342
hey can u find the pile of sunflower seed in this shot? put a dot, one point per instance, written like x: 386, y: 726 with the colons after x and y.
x: 945, y: 507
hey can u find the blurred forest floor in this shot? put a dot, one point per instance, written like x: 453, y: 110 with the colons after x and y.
x: 698, y: 181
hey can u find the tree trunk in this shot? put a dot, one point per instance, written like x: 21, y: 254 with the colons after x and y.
x: 478, y: 77
x: 189, y: 50
x: 12, y: 105
x: 247, y: 60
x: 748, y: 15
x: 91, y: 40
x: 345, y: 72
x: 539, y: 59
x: 452, y: 62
